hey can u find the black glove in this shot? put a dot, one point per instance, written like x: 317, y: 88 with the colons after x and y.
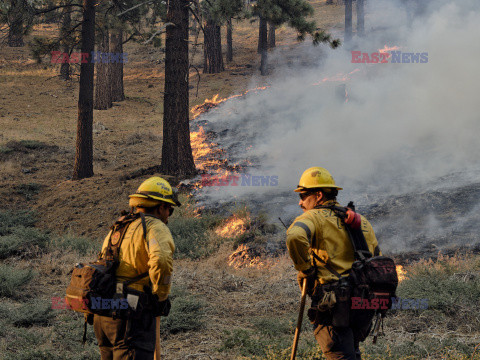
x: 163, y: 307
x: 311, y: 276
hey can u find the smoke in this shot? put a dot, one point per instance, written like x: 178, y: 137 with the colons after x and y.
x: 406, y: 127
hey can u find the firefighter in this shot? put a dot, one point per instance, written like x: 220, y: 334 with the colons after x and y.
x: 136, y: 338
x: 322, y: 253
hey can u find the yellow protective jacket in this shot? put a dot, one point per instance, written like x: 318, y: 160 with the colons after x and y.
x: 154, y: 255
x: 322, y: 232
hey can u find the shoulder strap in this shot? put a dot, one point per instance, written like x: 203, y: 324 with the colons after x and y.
x: 142, y: 275
x: 357, y: 239
x: 327, y: 266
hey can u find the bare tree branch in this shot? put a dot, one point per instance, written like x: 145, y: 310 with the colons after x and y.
x: 134, y: 7
x: 158, y: 32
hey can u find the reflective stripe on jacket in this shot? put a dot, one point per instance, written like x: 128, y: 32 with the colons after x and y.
x: 321, y: 231
x: 154, y: 255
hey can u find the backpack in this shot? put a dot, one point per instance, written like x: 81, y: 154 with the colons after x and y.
x: 372, y: 278
x: 97, y: 279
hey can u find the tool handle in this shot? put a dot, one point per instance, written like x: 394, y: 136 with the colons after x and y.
x: 376, y: 328
x: 300, y: 319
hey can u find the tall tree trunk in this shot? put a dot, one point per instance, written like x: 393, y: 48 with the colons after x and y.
x: 16, y: 20
x: 262, y: 45
x: 262, y: 35
x: 65, y: 41
x: 212, y: 48
x: 177, y: 156
x: 271, y: 36
x: 360, y: 18
x: 103, y: 90
x: 348, y: 20
x: 116, y: 69
x: 229, y: 41
x: 83, y: 166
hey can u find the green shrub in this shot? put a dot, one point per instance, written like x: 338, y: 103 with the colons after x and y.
x: 12, y: 280
x: 81, y: 245
x: 187, y: 314
x: 33, y: 312
x: 28, y: 190
x: 193, y: 236
x: 273, y: 327
x: 241, y: 340
x: 10, y: 220
x: 22, y: 241
x: 5, y: 150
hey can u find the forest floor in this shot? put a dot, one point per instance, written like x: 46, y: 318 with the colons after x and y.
x: 220, y: 312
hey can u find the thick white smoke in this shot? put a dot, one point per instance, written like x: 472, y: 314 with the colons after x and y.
x: 405, y: 127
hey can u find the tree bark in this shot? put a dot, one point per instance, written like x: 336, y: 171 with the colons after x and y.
x: 16, y: 20
x: 103, y: 91
x: 177, y: 156
x: 348, y: 20
x: 65, y: 41
x: 212, y: 48
x: 262, y: 35
x: 262, y: 45
x: 360, y: 18
x: 229, y: 41
x: 271, y: 36
x: 116, y: 69
x: 83, y: 166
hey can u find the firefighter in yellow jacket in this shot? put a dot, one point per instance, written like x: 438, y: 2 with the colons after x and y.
x: 152, y: 254
x: 322, y: 253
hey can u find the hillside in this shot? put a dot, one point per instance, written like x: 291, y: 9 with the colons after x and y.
x: 235, y: 294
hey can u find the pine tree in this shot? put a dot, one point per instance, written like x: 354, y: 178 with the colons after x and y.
x: 83, y: 166
x: 177, y: 158
x: 293, y: 13
x: 217, y: 13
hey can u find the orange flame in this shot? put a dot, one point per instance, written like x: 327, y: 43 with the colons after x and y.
x: 402, y: 274
x: 214, y: 101
x: 240, y: 258
x: 338, y: 77
x: 386, y: 49
x: 233, y: 227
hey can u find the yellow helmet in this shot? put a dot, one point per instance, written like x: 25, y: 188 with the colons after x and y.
x: 152, y: 191
x: 316, y: 178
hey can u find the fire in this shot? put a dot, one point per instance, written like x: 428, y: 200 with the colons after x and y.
x: 206, y: 155
x: 338, y: 77
x: 234, y: 226
x: 386, y: 49
x: 240, y: 258
x: 214, y: 101
x: 207, y: 105
x: 402, y: 274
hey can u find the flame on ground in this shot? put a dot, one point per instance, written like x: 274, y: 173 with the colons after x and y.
x: 338, y: 77
x: 205, y: 153
x: 234, y: 226
x: 240, y: 258
x: 402, y: 274
x: 386, y: 49
x: 214, y: 101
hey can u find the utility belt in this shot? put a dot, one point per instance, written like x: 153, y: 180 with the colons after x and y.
x: 331, y: 303
x: 135, y: 303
